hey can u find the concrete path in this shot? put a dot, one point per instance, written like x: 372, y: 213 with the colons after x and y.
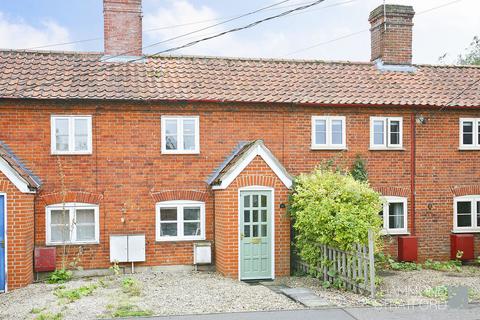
x: 305, y: 296
x: 472, y: 312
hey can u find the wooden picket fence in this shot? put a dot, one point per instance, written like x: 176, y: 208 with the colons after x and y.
x: 356, y: 268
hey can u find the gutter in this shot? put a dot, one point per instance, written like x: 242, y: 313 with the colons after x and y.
x: 412, y: 168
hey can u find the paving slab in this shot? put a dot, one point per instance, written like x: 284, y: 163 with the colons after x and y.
x: 306, y: 297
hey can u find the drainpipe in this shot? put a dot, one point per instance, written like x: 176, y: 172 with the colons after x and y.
x: 412, y: 168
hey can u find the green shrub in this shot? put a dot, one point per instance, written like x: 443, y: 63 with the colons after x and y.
x: 359, y: 172
x: 452, y: 265
x: 334, y: 209
x: 383, y: 262
x: 60, y: 276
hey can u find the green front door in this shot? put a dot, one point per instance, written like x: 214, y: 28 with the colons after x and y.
x: 256, y: 235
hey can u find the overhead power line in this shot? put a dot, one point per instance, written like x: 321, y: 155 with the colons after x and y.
x: 250, y: 25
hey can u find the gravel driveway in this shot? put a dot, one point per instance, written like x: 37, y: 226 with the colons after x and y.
x: 159, y: 292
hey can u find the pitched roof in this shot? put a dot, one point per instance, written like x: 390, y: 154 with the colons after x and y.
x: 241, y: 156
x: 61, y: 75
x: 26, y: 177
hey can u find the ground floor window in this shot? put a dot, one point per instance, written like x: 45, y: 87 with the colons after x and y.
x: 72, y: 223
x: 180, y: 220
x: 394, y: 215
x: 466, y: 213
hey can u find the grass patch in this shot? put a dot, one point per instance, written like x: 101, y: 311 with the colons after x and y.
x: 438, y: 292
x: 37, y: 310
x: 130, y: 310
x: 131, y: 286
x: 452, y: 265
x: 74, y: 294
x: 49, y: 316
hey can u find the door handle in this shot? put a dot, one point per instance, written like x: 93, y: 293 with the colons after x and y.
x: 242, y: 235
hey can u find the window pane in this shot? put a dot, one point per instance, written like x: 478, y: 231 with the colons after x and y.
x: 264, y: 230
x: 85, y: 232
x: 191, y: 213
x: 337, y: 132
x: 264, y: 201
x: 81, y: 134
x: 59, y: 233
x: 264, y: 215
x: 246, y: 215
x: 59, y: 225
x: 246, y: 201
x: 394, y: 132
x: 467, y: 132
x: 57, y: 217
x: 191, y: 228
x: 255, y: 231
x: 81, y: 143
x: 61, y: 134
x: 171, y: 142
x: 189, y: 127
x: 171, y: 127
x: 255, y: 200
x: 255, y: 216
x: 464, y: 214
x: 168, y: 214
x: 378, y: 132
x: 464, y: 207
x: 189, y: 142
x: 85, y: 216
x: 320, y: 132
x: 478, y: 213
x: 395, y: 213
x: 246, y: 231
x: 168, y: 229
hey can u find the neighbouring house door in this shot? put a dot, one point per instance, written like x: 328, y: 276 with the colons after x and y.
x: 2, y: 243
x: 256, y: 235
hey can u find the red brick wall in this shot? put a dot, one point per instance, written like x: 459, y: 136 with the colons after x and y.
x: 257, y: 173
x: 127, y: 171
x: 20, y: 229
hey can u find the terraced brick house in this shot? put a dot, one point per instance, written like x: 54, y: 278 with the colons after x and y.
x: 185, y: 150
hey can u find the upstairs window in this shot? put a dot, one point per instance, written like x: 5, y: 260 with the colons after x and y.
x: 394, y: 215
x: 180, y: 220
x: 180, y: 134
x: 72, y: 223
x: 466, y: 213
x: 469, y: 133
x: 328, y: 132
x: 386, y: 133
x: 71, y: 134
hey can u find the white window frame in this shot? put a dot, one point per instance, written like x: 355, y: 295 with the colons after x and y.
x: 474, y: 227
x: 70, y: 210
x: 475, y: 141
x: 386, y: 203
x: 180, y: 120
x: 179, y: 205
x: 328, y: 123
x: 71, y: 135
x: 387, y: 145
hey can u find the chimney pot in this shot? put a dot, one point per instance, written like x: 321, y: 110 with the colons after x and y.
x: 122, y: 27
x: 391, y: 34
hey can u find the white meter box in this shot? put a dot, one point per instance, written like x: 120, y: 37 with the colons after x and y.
x: 127, y: 248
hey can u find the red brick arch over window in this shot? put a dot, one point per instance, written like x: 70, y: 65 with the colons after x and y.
x: 465, y: 190
x: 168, y: 195
x: 393, y: 191
x: 256, y: 180
x: 71, y: 196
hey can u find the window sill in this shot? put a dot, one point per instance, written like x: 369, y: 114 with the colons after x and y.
x: 386, y: 149
x: 328, y: 148
x: 55, y: 244
x: 180, y: 152
x: 179, y: 239
x: 466, y: 230
x: 82, y: 153
x: 394, y: 233
x: 469, y: 148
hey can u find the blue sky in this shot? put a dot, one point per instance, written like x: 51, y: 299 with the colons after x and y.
x: 31, y: 23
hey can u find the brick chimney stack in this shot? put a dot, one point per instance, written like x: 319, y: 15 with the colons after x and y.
x: 122, y: 23
x: 391, y: 34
